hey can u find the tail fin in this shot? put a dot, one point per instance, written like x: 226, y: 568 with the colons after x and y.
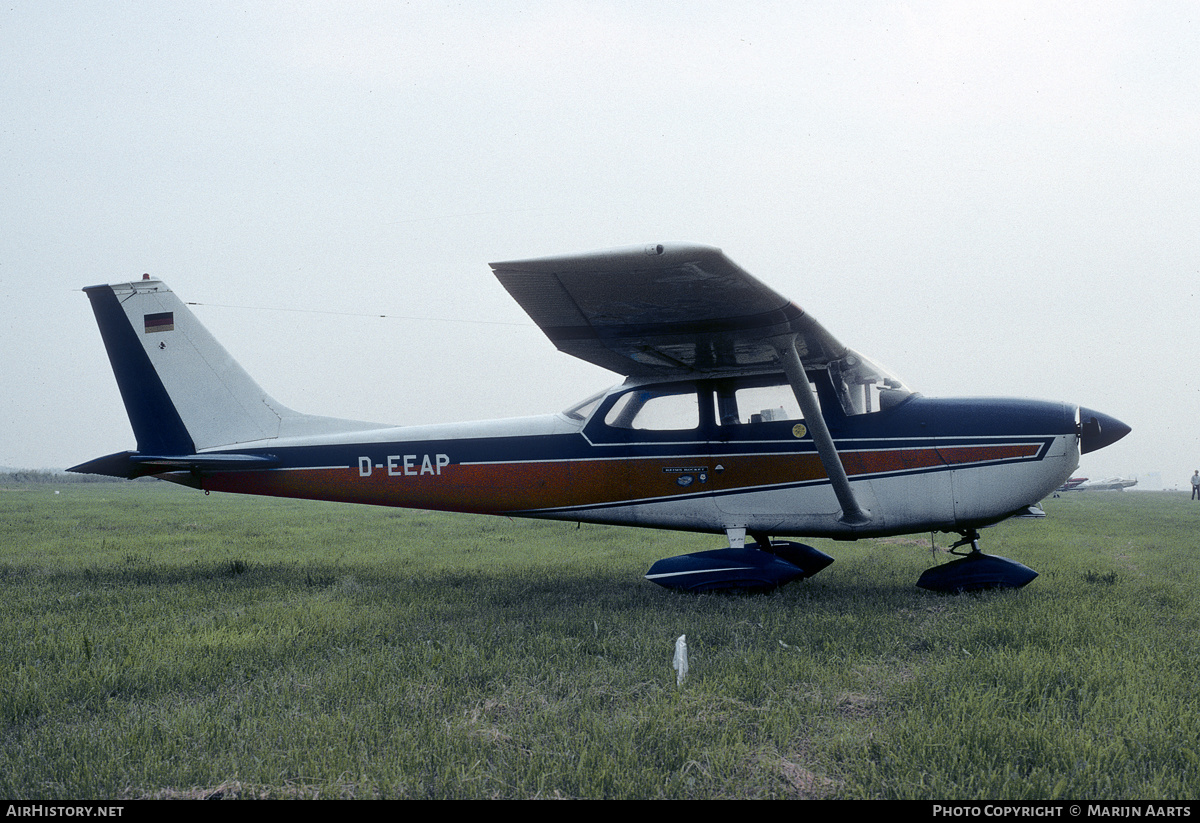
x: 182, y: 390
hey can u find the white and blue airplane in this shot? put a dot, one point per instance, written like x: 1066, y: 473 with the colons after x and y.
x: 739, y: 415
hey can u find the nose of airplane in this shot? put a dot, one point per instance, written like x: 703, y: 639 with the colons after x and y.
x: 1098, y: 430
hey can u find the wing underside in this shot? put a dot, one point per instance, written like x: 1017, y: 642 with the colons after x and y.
x: 659, y: 310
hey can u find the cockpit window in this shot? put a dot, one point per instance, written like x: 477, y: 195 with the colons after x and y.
x: 859, y: 386
x: 740, y: 403
x: 656, y: 409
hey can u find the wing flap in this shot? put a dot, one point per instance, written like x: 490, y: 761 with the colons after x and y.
x: 661, y: 309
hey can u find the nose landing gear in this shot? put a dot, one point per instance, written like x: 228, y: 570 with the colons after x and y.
x: 975, y: 571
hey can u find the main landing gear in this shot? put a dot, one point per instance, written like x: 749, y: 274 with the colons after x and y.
x: 767, y: 564
x: 757, y: 567
x: 975, y: 571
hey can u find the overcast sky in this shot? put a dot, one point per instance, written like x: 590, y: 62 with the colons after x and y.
x: 988, y: 198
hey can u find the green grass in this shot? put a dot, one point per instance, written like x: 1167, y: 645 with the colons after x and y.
x: 157, y: 642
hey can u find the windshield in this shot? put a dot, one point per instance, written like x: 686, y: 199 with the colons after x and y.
x: 863, y: 387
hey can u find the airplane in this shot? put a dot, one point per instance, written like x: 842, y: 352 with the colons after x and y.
x: 1072, y: 484
x: 1111, y: 484
x: 739, y: 415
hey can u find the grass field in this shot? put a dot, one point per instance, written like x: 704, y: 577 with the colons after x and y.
x: 157, y: 642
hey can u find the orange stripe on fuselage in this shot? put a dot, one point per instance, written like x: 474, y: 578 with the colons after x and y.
x: 486, y: 488
x: 496, y: 488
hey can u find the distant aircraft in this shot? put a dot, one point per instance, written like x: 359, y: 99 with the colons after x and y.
x: 1072, y: 484
x: 739, y: 415
x: 1108, y: 485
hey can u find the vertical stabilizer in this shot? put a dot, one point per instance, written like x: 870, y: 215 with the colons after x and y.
x: 182, y: 390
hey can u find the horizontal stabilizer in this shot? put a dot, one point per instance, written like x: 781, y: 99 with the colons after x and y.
x: 131, y: 464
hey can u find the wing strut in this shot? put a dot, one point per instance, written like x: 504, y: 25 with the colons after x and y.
x: 852, y: 513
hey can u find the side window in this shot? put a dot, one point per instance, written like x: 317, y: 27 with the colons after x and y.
x: 584, y: 408
x: 651, y: 410
x: 742, y: 405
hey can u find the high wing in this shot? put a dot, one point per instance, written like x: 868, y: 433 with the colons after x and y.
x: 662, y: 310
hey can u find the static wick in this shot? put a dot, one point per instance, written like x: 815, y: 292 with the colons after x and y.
x: 680, y: 663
